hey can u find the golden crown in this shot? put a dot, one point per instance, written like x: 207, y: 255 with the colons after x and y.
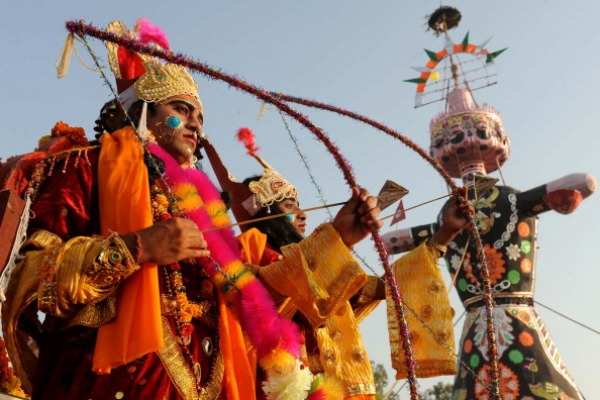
x: 157, y: 81
x: 271, y: 187
x: 162, y: 81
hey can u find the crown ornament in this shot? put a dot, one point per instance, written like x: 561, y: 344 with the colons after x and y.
x: 146, y: 78
x: 272, y: 187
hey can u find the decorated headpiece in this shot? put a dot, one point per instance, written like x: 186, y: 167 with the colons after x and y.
x: 142, y: 77
x: 271, y: 187
x: 247, y: 200
x: 468, y: 137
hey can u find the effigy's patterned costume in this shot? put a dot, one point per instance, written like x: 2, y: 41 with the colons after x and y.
x: 530, y: 366
x: 469, y: 141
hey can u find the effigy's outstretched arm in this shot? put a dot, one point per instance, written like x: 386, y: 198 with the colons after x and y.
x: 562, y: 195
x: 403, y: 240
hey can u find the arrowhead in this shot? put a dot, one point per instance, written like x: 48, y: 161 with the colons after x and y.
x: 390, y: 193
x: 415, y: 80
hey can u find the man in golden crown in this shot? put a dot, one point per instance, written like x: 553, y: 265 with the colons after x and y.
x: 273, y: 224
x: 131, y: 259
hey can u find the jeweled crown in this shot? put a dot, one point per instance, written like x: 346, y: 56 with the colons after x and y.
x: 142, y: 77
x: 272, y: 187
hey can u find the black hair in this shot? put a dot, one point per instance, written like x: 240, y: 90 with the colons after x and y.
x: 112, y: 118
x: 280, y: 231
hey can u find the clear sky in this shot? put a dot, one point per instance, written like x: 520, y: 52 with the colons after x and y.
x: 356, y: 54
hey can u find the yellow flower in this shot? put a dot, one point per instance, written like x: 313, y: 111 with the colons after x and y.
x: 188, y: 197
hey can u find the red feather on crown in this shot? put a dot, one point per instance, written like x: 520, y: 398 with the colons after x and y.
x: 246, y: 136
x: 131, y: 65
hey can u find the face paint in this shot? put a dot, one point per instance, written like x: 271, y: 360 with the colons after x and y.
x: 290, y: 217
x: 174, y: 122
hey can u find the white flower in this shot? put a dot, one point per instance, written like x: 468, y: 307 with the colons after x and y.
x: 513, y: 252
x: 291, y: 386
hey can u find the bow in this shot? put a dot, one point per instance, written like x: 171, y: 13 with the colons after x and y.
x: 82, y: 29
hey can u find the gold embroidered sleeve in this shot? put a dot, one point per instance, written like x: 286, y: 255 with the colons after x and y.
x: 428, y: 314
x: 80, y: 272
x: 318, y: 275
x: 368, y: 298
x: 73, y: 280
x: 342, y: 353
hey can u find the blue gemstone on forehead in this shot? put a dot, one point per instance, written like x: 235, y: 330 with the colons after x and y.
x: 174, y: 122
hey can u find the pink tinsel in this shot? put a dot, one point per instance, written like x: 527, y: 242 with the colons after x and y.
x: 150, y: 33
x: 246, y: 136
x: 270, y: 331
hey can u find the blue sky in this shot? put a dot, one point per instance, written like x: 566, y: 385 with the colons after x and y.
x: 356, y: 54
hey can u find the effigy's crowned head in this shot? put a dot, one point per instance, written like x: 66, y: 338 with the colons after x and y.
x: 143, y: 77
x: 468, y: 138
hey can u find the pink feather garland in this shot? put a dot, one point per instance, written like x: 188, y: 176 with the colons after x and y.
x: 265, y: 327
x: 267, y: 330
x: 150, y: 33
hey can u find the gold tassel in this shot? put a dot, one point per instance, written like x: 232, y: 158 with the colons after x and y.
x: 62, y: 66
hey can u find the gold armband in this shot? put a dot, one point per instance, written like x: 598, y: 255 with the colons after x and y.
x: 84, y: 270
x: 113, y: 263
